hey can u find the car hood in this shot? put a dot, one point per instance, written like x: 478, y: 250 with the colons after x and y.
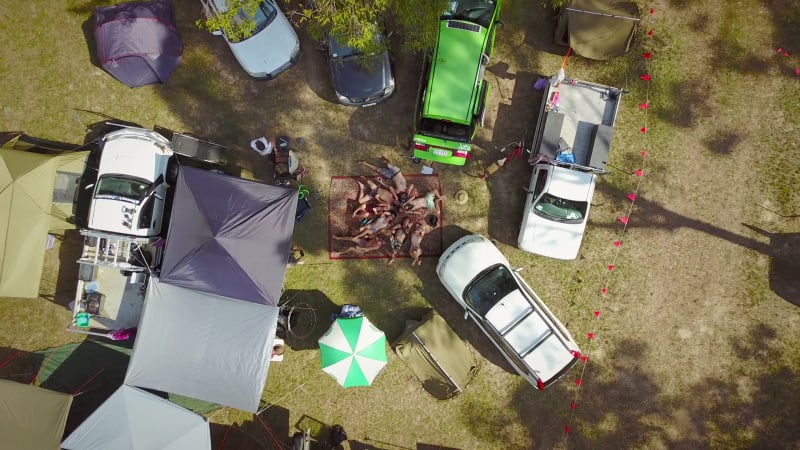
x: 351, y: 79
x: 267, y: 51
x: 550, y: 238
x: 107, y: 215
x: 531, y: 337
x: 464, y: 260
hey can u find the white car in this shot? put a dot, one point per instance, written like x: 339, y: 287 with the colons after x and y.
x: 556, y: 211
x: 132, y: 180
x: 511, y: 315
x: 271, y: 49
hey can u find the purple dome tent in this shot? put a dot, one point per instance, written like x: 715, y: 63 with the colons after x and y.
x: 138, y: 42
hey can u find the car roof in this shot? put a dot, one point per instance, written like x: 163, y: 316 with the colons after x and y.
x: 452, y: 90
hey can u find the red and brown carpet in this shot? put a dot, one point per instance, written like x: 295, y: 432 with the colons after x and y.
x: 342, y: 202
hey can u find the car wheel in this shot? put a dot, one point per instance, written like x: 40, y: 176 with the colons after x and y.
x: 172, y: 171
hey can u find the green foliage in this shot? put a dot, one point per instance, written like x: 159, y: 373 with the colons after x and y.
x: 418, y: 22
x: 230, y: 21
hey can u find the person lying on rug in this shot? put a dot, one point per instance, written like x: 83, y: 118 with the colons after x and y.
x: 371, y: 209
x: 391, y: 172
x: 415, y: 251
x: 373, y: 227
x: 423, y: 205
x: 398, y: 237
x: 358, y: 247
x: 370, y: 191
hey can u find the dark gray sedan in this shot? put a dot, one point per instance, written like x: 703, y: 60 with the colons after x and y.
x: 359, y: 79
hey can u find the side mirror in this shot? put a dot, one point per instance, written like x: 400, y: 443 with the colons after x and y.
x: 466, y: 314
x: 152, y: 189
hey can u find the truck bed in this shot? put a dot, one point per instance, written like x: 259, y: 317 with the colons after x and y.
x: 583, y: 115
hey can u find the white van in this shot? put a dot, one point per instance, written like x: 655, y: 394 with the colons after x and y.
x: 271, y: 49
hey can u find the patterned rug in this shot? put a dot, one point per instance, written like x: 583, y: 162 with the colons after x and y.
x: 343, y: 201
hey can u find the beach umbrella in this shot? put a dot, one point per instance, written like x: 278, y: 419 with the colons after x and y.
x: 353, y: 351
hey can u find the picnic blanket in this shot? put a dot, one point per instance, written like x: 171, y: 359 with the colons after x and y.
x: 342, y: 202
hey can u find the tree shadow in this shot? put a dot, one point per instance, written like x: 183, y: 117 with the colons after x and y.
x: 268, y: 430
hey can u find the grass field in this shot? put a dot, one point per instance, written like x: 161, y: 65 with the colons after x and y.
x: 696, y: 343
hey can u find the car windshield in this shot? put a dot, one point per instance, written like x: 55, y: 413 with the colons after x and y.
x: 120, y: 188
x: 560, y: 210
x: 488, y: 288
x: 444, y: 130
x: 477, y: 11
x: 265, y: 14
x: 341, y: 51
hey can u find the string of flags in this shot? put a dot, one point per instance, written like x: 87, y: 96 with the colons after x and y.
x: 604, y: 292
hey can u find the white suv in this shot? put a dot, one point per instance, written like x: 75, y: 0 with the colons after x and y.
x: 271, y: 49
x: 511, y: 315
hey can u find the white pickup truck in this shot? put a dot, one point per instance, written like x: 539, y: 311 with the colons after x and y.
x: 570, y: 148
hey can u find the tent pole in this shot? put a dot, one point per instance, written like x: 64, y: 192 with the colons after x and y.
x: 604, y: 14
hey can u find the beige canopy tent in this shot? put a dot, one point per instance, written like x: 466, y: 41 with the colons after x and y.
x: 28, y: 212
x: 597, y: 29
x: 32, y: 417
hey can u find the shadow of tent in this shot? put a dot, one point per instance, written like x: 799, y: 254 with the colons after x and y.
x: 310, y: 317
x: 784, y: 266
x: 18, y: 365
x: 90, y: 370
x: 270, y: 430
x: 784, y: 253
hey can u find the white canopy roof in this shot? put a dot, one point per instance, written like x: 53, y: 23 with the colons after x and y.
x: 203, y: 346
x: 134, y: 419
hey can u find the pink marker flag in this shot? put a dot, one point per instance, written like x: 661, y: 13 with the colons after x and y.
x: 617, y: 243
x: 797, y: 71
x: 590, y: 335
x: 644, y: 153
x: 644, y: 105
x: 650, y: 33
x: 643, y: 129
x: 652, y: 10
x: 578, y: 382
x: 585, y: 358
x: 647, y: 55
x: 624, y: 220
x: 572, y: 405
x: 610, y: 267
x: 645, y: 77
x: 597, y: 313
x: 604, y: 290
x: 631, y: 197
x: 566, y: 429
x: 638, y: 173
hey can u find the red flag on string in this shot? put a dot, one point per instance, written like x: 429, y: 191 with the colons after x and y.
x: 566, y: 429
x: 644, y: 105
x: 652, y: 10
x: 572, y: 405
x: 624, y: 220
x: 786, y: 54
x: 617, y: 243
x: 585, y: 358
x: 590, y: 335
x: 638, y: 173
x: 644, y: 153
x: 578, y: 382
x: 597, y: 313
x: 643, y: 129
x: 645, y: 77
x: 647, y: 55
x: 631, y: 197
x: 797, y: 71
x: 610, y: 267
x: 604, y: 290
x: 650, y: 33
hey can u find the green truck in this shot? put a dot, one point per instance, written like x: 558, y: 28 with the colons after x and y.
x: 452, y: 94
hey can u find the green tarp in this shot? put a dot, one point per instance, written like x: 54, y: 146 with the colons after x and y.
x: 31, y: 418
x: 28, y: 213
x: 442, y: 361
x: 597, y: 29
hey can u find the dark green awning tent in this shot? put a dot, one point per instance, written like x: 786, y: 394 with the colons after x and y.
x: 597, y: 29
x: 27, y: 214
x: 442, y: 361
x: 32, y: 417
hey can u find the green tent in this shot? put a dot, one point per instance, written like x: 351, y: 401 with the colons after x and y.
x: 27, y: 214
x: 32, y: 417
x: 442, y: 361
x: 597, y: 29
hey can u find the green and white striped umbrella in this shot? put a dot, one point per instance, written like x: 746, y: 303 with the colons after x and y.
x: 353, y: 351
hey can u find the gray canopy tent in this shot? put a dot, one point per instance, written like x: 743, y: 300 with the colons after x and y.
x: 228, y: 236
x: 134, y: 419
x: 597, y: 29
x: 209, y: 321
x: 441, y: 360
x: 32, y: 417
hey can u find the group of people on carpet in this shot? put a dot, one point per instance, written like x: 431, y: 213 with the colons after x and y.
x: 390, y: 212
